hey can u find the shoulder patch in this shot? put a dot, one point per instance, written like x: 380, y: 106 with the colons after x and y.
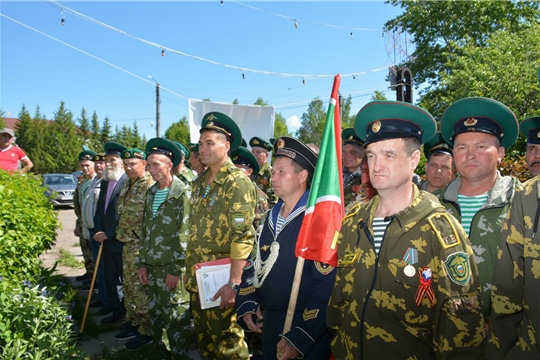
x: 444, y: 229
x: 238, y: 220
x: 458, y: 268
x: 323, y: 268
x: 310, y: 314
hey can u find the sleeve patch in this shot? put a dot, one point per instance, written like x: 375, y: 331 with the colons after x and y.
x: 444, y: 229
x: 247, y: 290
x: 323, y: 268
x: 238, y: 220
x: 458, y: 268
x: 463, y: 304
x: 310, y: 314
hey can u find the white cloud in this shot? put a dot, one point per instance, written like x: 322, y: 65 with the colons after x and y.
x: 293, y: 123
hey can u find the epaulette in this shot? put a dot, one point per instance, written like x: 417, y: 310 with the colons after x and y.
x: 445, y: 230
x: 353, y: 210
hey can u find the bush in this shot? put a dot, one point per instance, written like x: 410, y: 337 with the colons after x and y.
x: 28, y: 226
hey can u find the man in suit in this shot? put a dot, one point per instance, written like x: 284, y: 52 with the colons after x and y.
x: 105, y: 223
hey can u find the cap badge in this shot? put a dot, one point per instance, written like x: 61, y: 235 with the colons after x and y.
x: 235, y: 158
x: 376, y: 126
x: 127, y: 154
x: 256, y: 142
x: 350, y: 137
x: 280, y: 143
x: 211, y: 117
x: 470, y: 122
x: 538, y: 135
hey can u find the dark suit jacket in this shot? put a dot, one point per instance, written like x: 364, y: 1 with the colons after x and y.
x: 107, y: 221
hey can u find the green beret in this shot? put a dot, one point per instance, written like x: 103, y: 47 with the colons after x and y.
x: 86, y: 155
x: 183, y: 148
x: 114, y: 148
x: 258, y: 142
x: 299, y: 152
x: 530, y: 128
x: 437, y: 145
x: 349, y: 136
x: 223, y: 124
x: 243, y: 156
x: 479, y: 114
x: 98, y: 157
x: 194, y: 147
x: 385, y: 119
x: 133, y: 153
x: 272, y: 141
x: 165, y: 147
x: 244, y: 143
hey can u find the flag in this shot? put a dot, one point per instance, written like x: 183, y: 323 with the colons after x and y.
x: 317, y: 239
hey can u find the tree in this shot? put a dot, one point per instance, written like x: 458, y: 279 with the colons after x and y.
x: 2, y: 122
x: 378, y: 95
x: 347, y: 121
x: 179, y: 131
x: 136, y: 137
x: 23, y: 129
x: 43, y: 160
x: 65, y: 144
x: 280, y: 126
x: 440, y: 29
x: 312, y: 123
x: 95, y: 134
x: 105, y: 134
x: 235, y: 101
x: 84, y: 127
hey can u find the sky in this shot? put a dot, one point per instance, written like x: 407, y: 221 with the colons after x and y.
x: 285, y: 52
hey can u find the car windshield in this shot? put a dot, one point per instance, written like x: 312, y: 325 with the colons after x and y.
x: 60, y: 180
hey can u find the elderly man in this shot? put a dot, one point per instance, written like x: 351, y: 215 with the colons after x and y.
x: 260, y: 149
x: 353, y: 152
x: 480, y: 129
x: 163, y: 247
x: 128, y: 232
x: 530, y: 128
x: 10, y: 154
x: 105, y: 225
x: 407, y: 285
x: 222, y: 214
x: 440, y: 168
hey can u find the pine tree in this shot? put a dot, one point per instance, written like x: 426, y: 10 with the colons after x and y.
x: 95, y: 134
x: 43, y: 161
x: 23, y: 130
x: 65, y: 144
x: 2, y: 122
x: 105, y: 134
x: 84, y: 127
x: 137, y: 141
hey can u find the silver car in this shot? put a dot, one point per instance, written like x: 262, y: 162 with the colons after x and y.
x: 60, y: 188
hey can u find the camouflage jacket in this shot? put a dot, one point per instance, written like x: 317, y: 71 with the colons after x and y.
x: 186, y: 175
x: 515, y: 314
x: 262, y: 206
x: 164, y: 236
x: 263, y: 181
x: 222, y: 220
x: 373, y: 309
x: 131, y: 207
x: 352, y: 188
x: 485, y: 230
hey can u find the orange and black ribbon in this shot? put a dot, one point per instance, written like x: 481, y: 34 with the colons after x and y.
x: 425, y: 289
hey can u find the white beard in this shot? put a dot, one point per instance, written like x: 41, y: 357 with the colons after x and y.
x: 113, y: 174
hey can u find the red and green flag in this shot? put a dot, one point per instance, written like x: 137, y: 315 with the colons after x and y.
x: 324, y: 212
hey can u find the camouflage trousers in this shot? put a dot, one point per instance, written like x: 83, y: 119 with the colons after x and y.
x: 218, y: 334
x: 169, y: 310
x: 135, y: 297
x: 87, y: 256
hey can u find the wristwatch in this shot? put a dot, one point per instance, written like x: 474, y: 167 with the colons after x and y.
x: 235, y: 287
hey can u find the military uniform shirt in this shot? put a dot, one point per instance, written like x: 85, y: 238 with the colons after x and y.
x: 130, y: 208
x: 264, y: 181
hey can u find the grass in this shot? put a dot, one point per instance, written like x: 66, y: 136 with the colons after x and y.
x: 67, y: 259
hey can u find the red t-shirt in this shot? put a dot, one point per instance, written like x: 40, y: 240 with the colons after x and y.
x: 9, y: 158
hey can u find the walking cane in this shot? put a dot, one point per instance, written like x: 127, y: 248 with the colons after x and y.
x: 91, y: 291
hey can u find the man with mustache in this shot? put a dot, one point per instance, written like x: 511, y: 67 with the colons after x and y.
x: 106, y: 222
x: 530, y: 128
x: 440, y: 168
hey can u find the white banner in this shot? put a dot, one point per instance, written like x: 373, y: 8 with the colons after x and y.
x: 253, y: 120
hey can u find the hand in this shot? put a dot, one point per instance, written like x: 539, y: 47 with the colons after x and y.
x: 227, y: 295
x: 143, y: 276
x: 285, y: 350
x: 100, y: 237
x: 77, y: 231
x: 171, y: 281
x: 248, y: 319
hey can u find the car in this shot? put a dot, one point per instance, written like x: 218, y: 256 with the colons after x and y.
x: 59, y: 188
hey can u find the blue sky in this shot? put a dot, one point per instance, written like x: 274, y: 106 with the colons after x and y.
x: 38, y: 70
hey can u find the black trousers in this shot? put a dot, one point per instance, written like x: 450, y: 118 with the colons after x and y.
x: 112, y: 268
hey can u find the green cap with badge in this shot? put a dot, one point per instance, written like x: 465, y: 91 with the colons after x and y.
x: 183, y: 148
x: 479, y: 114
x: 259, y: 142
x: 437, y: 145
x: 133, y: 153
x: 385, y: 119
x: 222, y: 123
x: 194, y: 147
x: 113, y: 147
x: 243, y: 156
x: 165, y: 147
x: 98, y: 157
x: 86, y: 155
x: 349, y: 136
x: 530, y: 128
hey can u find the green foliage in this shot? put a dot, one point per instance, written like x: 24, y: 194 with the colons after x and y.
x: 2, y: 122
x: 347, y: 120
x: 105, y: 134
x: 64, y: 142
x: 378, y: 95
x: 28, y: 225
x: 280, y: 126
x: 312, y: 123
x: 179, y: 131
x: 67, y: 259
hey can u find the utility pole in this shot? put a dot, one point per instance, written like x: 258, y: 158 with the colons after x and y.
x: 158, y: 102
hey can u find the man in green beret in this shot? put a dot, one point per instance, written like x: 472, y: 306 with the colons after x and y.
x: 87, y: 167
x: 243, y: 159
x: 418, y: 295
x: 440, y: 168
x: 130, y: 208
x: 480, y: 129
x: 530, y: 128
x: 222, y: 213
x: 195, y: 160
x: 183, y: 173
x: 162, y: 248
x: 260, y: 149
x: 353, y: 152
